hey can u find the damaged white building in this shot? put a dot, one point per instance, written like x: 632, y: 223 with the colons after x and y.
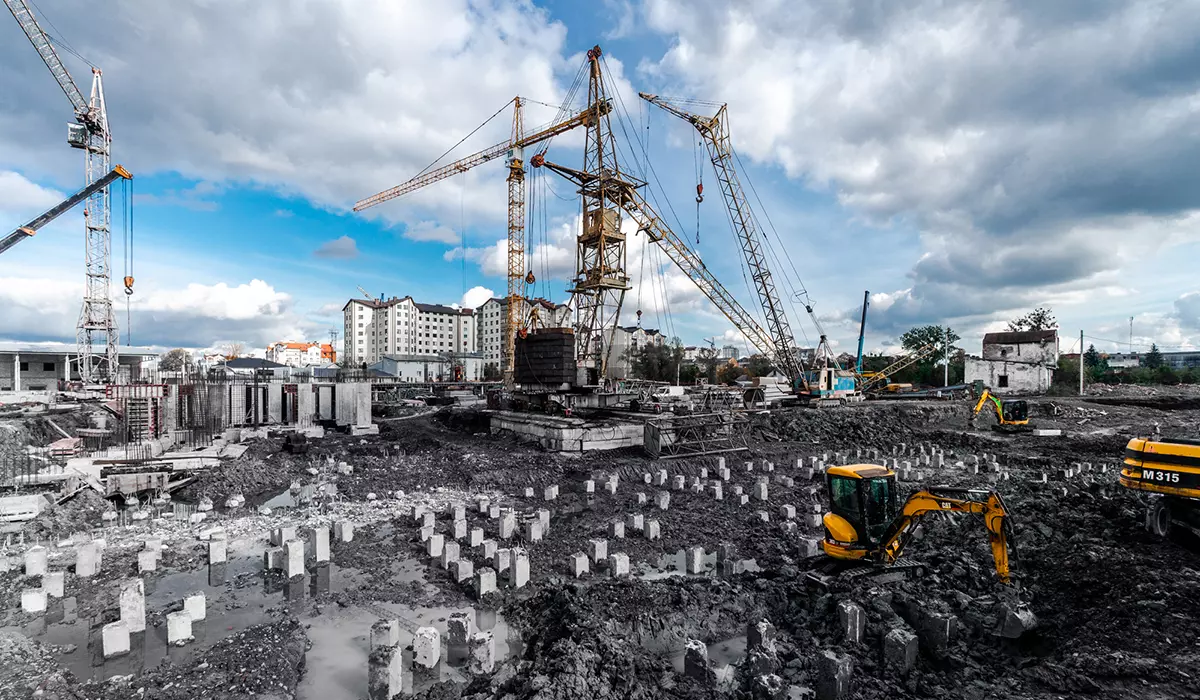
x: 1021, y: 362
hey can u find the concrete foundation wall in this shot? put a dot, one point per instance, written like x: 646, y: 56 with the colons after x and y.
x: 568, y: 434
x: 1009, y: 377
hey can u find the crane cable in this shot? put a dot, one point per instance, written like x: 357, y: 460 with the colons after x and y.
x: 699, y: 184
x: 127, y: 239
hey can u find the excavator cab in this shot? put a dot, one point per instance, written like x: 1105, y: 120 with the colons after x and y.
x: 862, y: 506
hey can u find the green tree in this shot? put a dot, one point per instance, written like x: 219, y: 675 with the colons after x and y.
x: 728, y: 373
x: 1095, y: 365
x: 656, y: 362
x: 1153, y: 359
x: 491, y: 372
x: 928, y: 369
x: 1040, y: 319
x: 689, y: 373
x: 759, y: 366
x: 707, y: 359
x: 175, y: 360
x: 1165, y: 375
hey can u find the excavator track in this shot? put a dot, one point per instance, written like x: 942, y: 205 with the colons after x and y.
x: 828, y: 571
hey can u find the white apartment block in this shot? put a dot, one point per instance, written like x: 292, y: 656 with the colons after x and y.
x: 401, y: 326
x: 627, y: 340
x: 489, y: 323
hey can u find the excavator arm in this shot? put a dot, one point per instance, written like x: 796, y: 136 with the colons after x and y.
x: 985, y: 397
x: 950, y: 500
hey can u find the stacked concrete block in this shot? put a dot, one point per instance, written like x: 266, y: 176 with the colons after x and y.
x: 663, y: 500
x: 294, y: 558
x: 54, y: 583
x: 508, y: 524
x: 425, y: 532
x: 450, y: 554
x: 787, y: 512
x: 616, y: 530
x: 434, y: 545
x: 482, y: 650
x: 87, y: 560
x: 694, y: 560
x: 460, y: 529
x: 217, y: 551
x: 427, y: 647
x: 598, y: 550
x: 114, y: 639
x: 179, y: 627
x: 196, y: 606
x: 385, y: 633
x: 900, y: 649
x: 809, y: 547
x: 653, y: 530
x: 551, y: 493
x: 763, y: 516
x: 610, y: 487
x: 132, y: 602
x: 485, y: 581
x: 833, y: 675
x: 695, y: 660
x: 502, y: 560
x: 36, y: 560
x: 462, y: 570
x: 533, y: 531
x: 520, y: 568
x: 280, y: 535
x: 641, y: 498
x: 677, y: 482
x: 319, y: 541
x: 33, y: 600
x: 660, y: 478
x: 428, y: 519
x: 493, y: 512
x: 482, y: 503
x: 528, y: 492
x: 475, y: 537
x: 618, y: 564
x: 456, y: 511
x: 578, y: 564
x: 543, y: 516
x: 635, y: 522
x: 487, y: 549
x: 343, y: 531
x: 853, y: 621
x: 386, y: 673
x: 717, y: 491
x: 696, y: 486
x: 647, y: 478
x: 147, y: 561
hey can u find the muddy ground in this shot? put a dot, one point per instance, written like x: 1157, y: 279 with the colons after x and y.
x: 1116, y: 607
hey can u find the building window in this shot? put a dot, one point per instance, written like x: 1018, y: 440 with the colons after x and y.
x: 47, y: 366
x: 1002, y: 381
x: 24, y: 366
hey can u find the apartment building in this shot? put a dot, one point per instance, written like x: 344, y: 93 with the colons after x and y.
x: 301, y: 354
x: 627, y: 340
x: 489, y: 323
x: 403, y: 326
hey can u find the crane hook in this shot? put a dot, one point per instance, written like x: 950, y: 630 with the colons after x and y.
x: 529, y: 278
x: 699, y: 192
x: 129, y: 286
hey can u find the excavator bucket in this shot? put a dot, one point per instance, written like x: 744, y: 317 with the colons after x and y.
x: 1017, y: 621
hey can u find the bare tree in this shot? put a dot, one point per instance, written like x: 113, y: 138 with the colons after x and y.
x: 1040, y: 319
x: 175, y: 360
x: 232, y: 350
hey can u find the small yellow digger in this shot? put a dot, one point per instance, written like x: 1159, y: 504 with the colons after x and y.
x: 865, y: 524
x: 1012, y: 415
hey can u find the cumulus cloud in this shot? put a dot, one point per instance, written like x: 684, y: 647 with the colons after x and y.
x: 431, y: 231
x: 341, y: 248
x: 254, y: 312
x: 333, y: 109
x: 476, y: 296
x: 1021, y: 140
x: 18, y: 194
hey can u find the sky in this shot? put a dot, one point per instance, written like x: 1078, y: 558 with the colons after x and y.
x: 964, y: 162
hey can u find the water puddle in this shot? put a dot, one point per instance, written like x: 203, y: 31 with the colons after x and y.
x: 239, y: 595
x: 723, y: 655
x: 305, y: 496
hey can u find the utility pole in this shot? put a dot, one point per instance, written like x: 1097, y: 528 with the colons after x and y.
x: 1081, y: 363
x: 1131, y: 335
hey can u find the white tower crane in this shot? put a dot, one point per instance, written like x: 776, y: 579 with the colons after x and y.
x: 90, y: 133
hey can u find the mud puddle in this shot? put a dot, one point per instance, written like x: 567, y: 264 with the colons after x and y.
x: 669, y: 565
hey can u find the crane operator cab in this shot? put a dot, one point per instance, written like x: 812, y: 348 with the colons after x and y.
x: 862, y: 507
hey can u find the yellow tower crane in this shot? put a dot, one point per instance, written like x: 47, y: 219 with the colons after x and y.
x: 513, y: 148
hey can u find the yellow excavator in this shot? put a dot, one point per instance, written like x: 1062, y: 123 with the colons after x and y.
x: 1168, y: 468
x: 866, y: 524
x: 1012, y: 415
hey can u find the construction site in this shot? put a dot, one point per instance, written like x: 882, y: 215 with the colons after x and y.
x: 819, y: 533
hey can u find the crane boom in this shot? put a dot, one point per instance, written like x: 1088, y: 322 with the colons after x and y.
x: 45, y: 49
x: 715, y: 131
x: 54, y: 212
x: 678, y: 251
x: 491, y: 153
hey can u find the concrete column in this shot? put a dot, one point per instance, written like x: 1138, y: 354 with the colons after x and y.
x: 66, y: 361
x: 16, y: 371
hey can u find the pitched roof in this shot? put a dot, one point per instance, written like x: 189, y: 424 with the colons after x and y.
x: 440, y: 309
x: 251, y: 363
x: 1018, y: 337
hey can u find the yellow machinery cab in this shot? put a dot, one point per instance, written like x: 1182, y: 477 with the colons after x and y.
x: 862, y: 506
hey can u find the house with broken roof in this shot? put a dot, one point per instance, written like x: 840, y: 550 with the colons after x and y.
x: 1020, y: 362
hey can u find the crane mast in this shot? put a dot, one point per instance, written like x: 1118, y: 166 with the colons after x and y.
x: 715, y: 131
x: 96, y: 321
x: 514, y: 149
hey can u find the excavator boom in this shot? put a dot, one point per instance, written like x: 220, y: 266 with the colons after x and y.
x: 949, y: 500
